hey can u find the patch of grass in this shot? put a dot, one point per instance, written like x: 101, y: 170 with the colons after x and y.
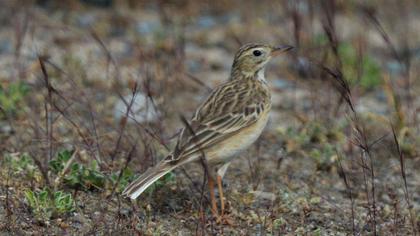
x: 325, y: 157
x: 22, y: 165
x: 56, y: 165
x: 11, y: 97
x: 79, y: 175
x: 316, y: 140
x: 371, y: 71
x: 46, y: 205
x: 312, y: 133
x: 89, y: 177
x: 279, y: 223
x: 19, y: 163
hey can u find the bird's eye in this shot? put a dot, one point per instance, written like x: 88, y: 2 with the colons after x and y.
x: 257, y: 53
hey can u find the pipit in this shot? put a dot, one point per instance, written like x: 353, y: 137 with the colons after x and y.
x: 228, y: 122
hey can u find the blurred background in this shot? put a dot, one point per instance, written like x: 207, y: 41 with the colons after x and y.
x: 92, y: 91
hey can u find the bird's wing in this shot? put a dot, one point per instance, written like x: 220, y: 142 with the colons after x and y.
x: 229, y: 108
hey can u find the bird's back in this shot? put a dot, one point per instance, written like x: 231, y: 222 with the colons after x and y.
x: 229, y: 109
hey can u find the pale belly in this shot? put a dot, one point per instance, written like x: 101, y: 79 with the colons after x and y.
x: 234, y: 145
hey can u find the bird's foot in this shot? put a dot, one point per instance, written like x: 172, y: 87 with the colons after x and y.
x: 225, y: 220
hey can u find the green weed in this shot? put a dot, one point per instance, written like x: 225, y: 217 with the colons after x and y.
x: 22, y: 165
x: 309, y: 135
x: 371, y: 72
x: 89, y: 177
x: 316, y: 140
x: 325, y: 157
x: 370, y: 76
x: 45, y: 205
x: 11, y: 97
x: 79, y: 175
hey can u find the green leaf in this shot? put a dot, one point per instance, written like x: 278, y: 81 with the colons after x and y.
x: 44, y: 207
x: 57, y: 164
x: 30, y: 197
x: 12, y: 96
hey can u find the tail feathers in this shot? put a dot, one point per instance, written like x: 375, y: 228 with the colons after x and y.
x: 138, y: 186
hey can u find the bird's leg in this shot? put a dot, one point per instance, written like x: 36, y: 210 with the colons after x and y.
x: 222, y: 218
x: 220, y: 173
x: 212, y: 198
x: 222, y: 201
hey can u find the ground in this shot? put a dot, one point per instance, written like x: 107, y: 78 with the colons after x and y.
x: 92, y: 94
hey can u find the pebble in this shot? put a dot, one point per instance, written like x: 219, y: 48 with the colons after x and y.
x: 142, y: 109
x: 395, y: 68
x: 6, y: 129
x: 6, y: 46
x: 206, y: 22
x: 264, y: 195
x: 86, y: 20
x: 369, y: 105
x: 147, y: 27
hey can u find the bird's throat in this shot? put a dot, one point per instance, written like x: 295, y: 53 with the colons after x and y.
x: 260, y: 76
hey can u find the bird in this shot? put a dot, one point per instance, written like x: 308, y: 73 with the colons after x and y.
x: 231, y: 118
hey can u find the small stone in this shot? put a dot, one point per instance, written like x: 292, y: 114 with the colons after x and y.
x: 395, y: 68
x: 6, y: 46
x: 86, y: 20
x: 6, y: 129
x: 264, y: 195
x: 147, y: 27
x: 141, y: 111
x: 206, y: 22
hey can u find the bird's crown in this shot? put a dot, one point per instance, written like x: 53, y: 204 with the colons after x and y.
x: 253, y: 57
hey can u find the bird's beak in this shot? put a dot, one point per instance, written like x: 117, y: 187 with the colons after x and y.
x: 280, y: 49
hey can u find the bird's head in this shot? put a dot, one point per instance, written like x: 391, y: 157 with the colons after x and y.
x: 253, y: 57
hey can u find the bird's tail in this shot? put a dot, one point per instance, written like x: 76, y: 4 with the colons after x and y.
x: 138, y: 186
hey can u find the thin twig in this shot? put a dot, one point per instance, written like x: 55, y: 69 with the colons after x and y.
x: 124, y: 123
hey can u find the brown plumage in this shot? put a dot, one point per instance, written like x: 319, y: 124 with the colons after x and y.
x: 229, y: 120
